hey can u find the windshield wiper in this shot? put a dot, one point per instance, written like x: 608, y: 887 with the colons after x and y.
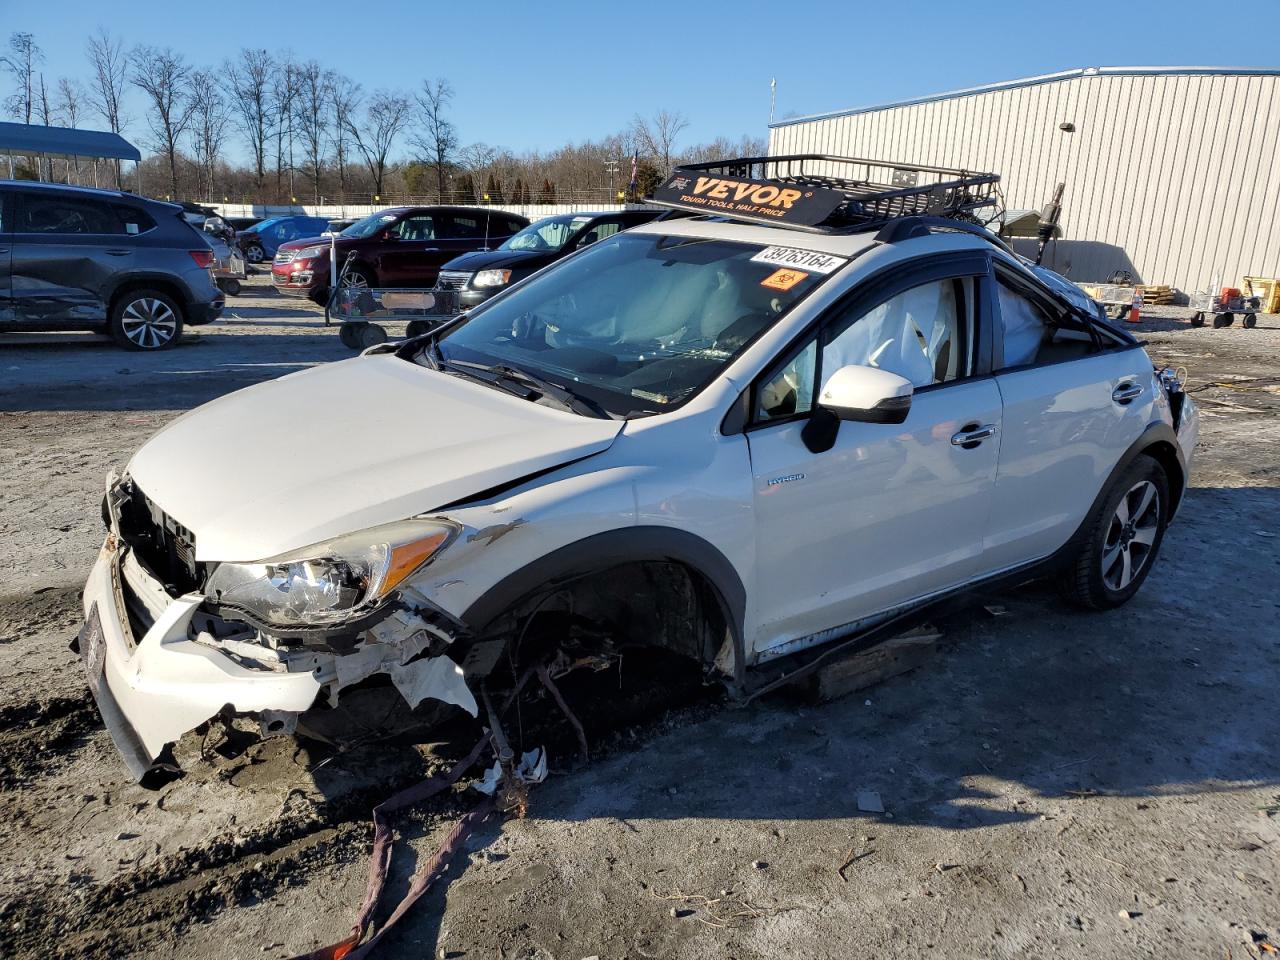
x: 503, y: 374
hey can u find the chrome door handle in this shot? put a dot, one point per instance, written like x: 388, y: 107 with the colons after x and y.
x: 974, y: 435
x: 1126, y: 393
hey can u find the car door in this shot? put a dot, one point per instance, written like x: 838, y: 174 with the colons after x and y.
x: 6, y: 250
x: 1073, y: 404
x: 890, y: 513
x: 65, y: 249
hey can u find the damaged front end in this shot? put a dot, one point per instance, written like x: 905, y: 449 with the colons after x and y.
x: 170, y: 641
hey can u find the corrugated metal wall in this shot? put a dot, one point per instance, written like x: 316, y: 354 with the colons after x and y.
x: 1173, y: 176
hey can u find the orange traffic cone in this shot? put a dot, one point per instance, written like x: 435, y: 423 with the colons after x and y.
x: 1135, y: 308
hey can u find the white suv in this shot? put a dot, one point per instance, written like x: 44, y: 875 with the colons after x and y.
x: 744, y: 443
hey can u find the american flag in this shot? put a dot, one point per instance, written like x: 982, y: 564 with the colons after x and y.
x: 635, y: 162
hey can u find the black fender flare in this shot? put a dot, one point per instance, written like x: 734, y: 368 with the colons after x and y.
x: 595, y: 554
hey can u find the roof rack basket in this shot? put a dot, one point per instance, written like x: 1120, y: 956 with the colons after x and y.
x: 875, y: 191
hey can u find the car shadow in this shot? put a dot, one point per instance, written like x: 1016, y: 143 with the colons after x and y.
x: 1031, y: 706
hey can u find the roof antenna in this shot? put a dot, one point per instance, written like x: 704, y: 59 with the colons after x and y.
x: 486, y: 229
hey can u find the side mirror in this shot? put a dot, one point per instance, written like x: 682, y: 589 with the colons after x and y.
x: 867, y: 394
x: 864, y: 394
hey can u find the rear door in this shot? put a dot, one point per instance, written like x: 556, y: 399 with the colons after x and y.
x: 1073, y: 404
x: 65, y: 249
x: 6, y: 249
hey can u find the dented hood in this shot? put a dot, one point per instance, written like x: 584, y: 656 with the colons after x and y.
x: 344, y: 446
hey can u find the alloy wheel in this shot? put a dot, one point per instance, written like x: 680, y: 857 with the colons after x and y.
x: 355, y: 281
x: 255, y: 254
x: 149, y: 323
x: 1130, y: 535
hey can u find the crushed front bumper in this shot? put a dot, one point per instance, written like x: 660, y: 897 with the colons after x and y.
x: 151, y: 690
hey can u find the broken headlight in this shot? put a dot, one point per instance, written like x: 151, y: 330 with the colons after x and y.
x: 332, y: 581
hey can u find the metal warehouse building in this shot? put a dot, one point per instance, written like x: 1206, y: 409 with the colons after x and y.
x: 1171, y: 173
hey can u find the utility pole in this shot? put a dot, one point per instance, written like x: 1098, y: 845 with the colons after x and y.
x: 773, y: 97
x: 612, y: 167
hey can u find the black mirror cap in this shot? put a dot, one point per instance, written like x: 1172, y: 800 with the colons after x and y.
x: 889, y: 410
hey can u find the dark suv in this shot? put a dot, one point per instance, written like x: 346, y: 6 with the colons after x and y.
x: 399, y: 247
x: 72, y: 258
x: 478, y: 276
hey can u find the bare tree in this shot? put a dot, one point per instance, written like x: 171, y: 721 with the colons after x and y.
x: 67, y: 110
x: 209, y: 120
x: 21, y: 60
x: 70, y: 102
x: 657, y: 137
x: 385, y: 118
x: 106, y: 93
x: 250, y: 80
x: 312, y: 109
x: 344, y: 97
x: 439, y: 138
x: 165, y: 78
x: 283, y: 94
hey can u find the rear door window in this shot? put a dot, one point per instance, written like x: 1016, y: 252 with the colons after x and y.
x: 461, y: 227
x: 67, y: 216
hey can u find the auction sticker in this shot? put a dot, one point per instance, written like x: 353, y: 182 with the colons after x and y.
x: 783, y: 279
x: 809, y: 260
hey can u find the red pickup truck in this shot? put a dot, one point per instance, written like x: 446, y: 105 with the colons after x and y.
x: 397, y: 247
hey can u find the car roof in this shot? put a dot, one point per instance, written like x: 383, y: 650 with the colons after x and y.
x: 96, y: 192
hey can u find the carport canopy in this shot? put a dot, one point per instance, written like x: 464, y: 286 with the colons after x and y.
x: 24, y: 138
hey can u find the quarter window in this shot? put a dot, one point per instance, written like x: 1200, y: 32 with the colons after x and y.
x: 922, y: 334
x: 788, y: 390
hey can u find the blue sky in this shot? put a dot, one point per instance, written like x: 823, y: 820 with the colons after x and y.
x: 534, y: 75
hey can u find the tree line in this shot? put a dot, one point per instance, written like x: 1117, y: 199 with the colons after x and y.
x: 310, y: 133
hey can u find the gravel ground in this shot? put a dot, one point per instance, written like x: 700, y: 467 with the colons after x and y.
x: 1055, y: 783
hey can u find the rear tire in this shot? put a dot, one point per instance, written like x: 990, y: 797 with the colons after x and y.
x: 145, y: 320
x: 1198, y: 320
x: 231, y: 287
x: 1250, y: 321
x: 1121, y: 540
x: 254, y: 253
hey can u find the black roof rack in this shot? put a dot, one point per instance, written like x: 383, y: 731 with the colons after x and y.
x: 834, y: 195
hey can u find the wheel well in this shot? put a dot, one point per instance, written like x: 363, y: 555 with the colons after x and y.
x: 167, y: 287
x: 1163, y: 452
x: 644, y: 603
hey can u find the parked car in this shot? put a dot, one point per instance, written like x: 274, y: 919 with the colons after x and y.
x: 751, y: 445
x: 398, y: 247
x: 261, y: 241
x: 72, y: 258
x: 478, y: 276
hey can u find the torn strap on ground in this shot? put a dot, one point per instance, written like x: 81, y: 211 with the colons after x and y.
x: 507, y: 795
x: 380, y: 859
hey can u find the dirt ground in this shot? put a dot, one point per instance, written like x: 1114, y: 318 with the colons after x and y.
x: 1054, y: 783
